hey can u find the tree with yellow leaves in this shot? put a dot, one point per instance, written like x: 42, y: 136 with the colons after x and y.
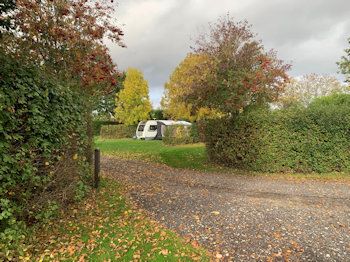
x: 189, y: 74
x: 132, y: 102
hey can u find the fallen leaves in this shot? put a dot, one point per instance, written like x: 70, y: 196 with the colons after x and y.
x: 195, y: 244
x: 164, y: 252
x: 105, y: 226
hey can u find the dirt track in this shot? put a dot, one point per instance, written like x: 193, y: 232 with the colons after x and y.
x: 243, y: 218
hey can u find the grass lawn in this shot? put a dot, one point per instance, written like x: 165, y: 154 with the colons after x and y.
x: 183, y: 156
x: 105, y: 228
x: 189, y: 156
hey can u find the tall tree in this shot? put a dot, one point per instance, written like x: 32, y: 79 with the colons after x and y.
x: 241, y: 72
x: 6, y: 6
x: 190, y: 72
x: 66, y: 39
x: 133, y: 103
x: 105, y: 104
x: 305, y: 89
x: 157, y: 114
x: 344, y: 63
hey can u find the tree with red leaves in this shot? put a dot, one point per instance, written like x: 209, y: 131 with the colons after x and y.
x: 66, y: 39
x: 241, y: 73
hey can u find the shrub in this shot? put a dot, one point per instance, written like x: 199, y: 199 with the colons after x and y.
x: 42, y: 133
x: 313, y: 139
x: 118, y: 131
x: 97, y: 125
x: 176, y: 135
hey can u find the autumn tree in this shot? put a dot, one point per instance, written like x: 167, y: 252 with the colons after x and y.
x: 105, y: 104
x: 189, y: 73
x: 305, y: 89
x: 240, y: 72
x: 6, y: 6
x: 344, y: 63
x: 132, y: 102
x: 66, y: 39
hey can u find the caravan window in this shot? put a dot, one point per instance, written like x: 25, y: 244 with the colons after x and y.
x: 141, y: 128
x: 152, y: 127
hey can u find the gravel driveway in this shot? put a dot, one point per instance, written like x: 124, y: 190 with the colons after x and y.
x: 241, y: 218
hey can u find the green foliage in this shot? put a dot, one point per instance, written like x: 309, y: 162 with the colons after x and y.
x: 81, y: 190
x: 48, y: 212
x: 6, y: 6
x: 97, y: 125
x: 177, y: 135
x: 297, y: 139
x: 344, y: 63
x: 117, y: 131
x: 105, y: 104
x: 42, y: 133
x: 157, y: 114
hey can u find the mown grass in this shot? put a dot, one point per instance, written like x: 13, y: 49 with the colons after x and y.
x: 105, y: 228
x: 190, y: 157
x: 184, y: 156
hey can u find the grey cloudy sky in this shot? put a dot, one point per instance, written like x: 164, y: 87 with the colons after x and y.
x: 310, y: 34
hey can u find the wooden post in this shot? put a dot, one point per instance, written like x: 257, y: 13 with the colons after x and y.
x: 97, y: 167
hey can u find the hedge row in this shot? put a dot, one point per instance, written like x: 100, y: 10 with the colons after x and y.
x: 97, y: 125
x: 42, y: 133
x: 313, y: 139
x: 176, y: 135
x: 117, y: 131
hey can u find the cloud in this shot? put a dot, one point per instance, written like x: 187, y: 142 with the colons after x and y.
x: 310, y: 34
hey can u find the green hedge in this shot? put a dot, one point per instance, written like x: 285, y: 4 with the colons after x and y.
x: 118, y: 131
x: 42, y: 133
x: 97, y: 125
x: 313, y: 139
x: 176, y: 135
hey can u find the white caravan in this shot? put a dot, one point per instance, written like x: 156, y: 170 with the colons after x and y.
x: 154, y: 129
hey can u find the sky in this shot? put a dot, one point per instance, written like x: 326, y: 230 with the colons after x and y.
x: 309, y: 34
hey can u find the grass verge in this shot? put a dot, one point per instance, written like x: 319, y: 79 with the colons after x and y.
x: 105, y: 228
x: 182, y: 156
x: 191, y: 157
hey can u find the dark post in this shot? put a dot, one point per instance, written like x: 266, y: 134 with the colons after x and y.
x: 97, y: 168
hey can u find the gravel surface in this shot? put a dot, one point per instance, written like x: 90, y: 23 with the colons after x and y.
x: 241, y: 218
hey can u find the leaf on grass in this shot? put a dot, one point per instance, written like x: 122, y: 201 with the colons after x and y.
x: 164, y: 252
x: 195, y: 243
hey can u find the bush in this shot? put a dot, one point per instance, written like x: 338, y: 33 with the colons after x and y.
x: 97, y: 125
x: 313, y: 139
x: 176, y: 135
x: 42, y: 133
x: 118, y: 131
